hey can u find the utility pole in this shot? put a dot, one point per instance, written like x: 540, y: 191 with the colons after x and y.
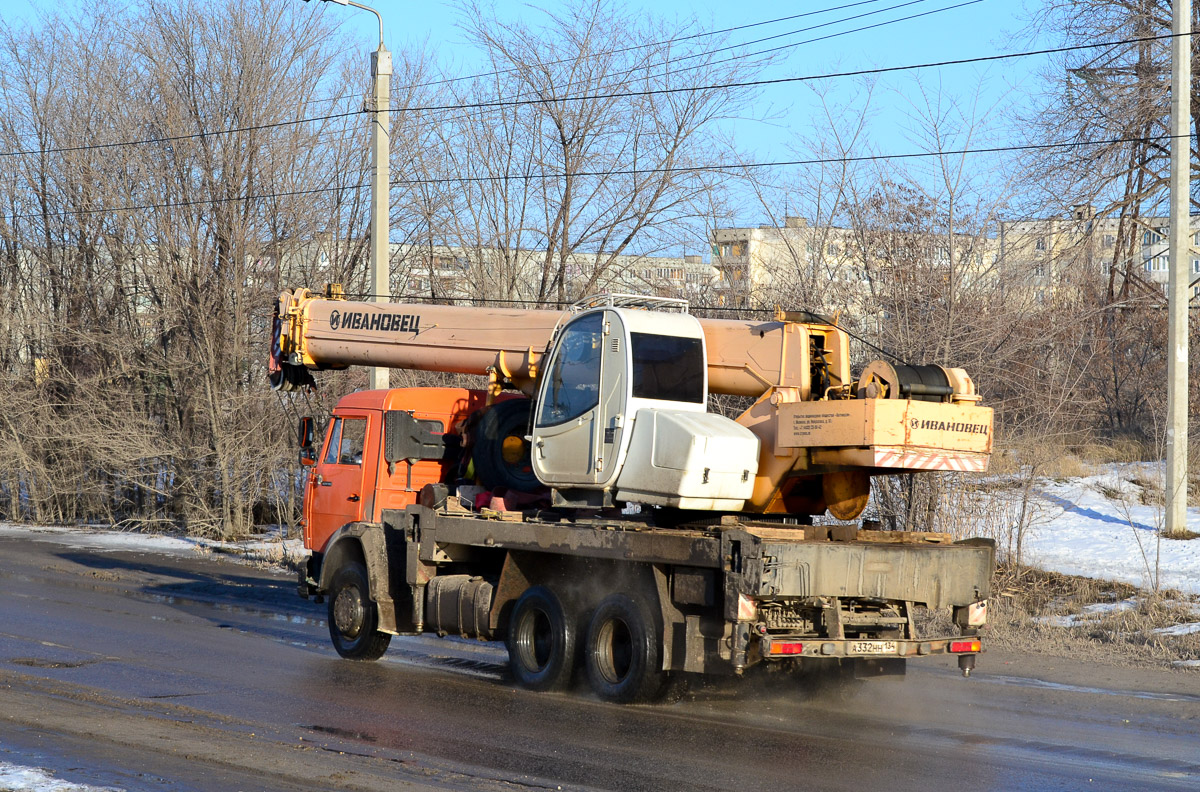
x: 381, y: 80
x: 381, y: 74
x: 1177, y: 288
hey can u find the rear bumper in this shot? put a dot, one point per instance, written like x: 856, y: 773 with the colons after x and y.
x: 780, y: 647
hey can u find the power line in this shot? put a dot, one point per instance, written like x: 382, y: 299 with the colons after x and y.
x: 742, y: 56
x: 176, y: 138
x: 511, y: 102
x: 704, y: 34
x: 841, y: 33
x: 502, y: 104
x: 787, y: 163
x: 633, y: 94
x: 628, y: 172
x: 187, y: 204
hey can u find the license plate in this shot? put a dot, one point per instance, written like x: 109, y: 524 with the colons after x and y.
x: 873, y: 647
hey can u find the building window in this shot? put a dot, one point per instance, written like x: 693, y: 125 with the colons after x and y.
x: 1040, y: 296
x: 1039, y: 270
x: 1109, y: 240
x: 1150, y: 238
x: 1196, y: 266
x: 1040, y: 244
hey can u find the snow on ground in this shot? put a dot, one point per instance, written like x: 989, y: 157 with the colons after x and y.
x: 17, y: 778
x: 269, y: 547
x: 1089, y: 614
x: 1097, y: 526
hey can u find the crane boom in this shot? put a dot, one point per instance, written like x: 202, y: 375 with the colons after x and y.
x: 745, y: 357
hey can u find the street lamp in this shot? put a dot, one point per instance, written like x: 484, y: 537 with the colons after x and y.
x: 381, y: 77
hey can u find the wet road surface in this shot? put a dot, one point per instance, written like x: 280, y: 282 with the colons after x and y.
x: 148, y: 671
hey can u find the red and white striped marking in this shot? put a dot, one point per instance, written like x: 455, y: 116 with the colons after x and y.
x: 929, y: 460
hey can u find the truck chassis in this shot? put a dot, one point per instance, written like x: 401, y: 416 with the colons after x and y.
x: 631, y: 602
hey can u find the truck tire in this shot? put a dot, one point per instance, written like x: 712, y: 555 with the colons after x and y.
x: 353, y: 619
x: 622, y: 654
x: 501, y: 453
x: 541, y: 641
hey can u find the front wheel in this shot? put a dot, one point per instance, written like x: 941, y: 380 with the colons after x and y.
x: 353, y: 618
x: 622, y: 656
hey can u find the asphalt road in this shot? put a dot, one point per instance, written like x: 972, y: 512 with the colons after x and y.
x: 156, y: 672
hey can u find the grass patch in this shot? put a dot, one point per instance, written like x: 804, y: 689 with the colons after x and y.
x: 1183, y: 535
x: 1152, y: 489
x: 1049, y: 613
x: 1066, y: 466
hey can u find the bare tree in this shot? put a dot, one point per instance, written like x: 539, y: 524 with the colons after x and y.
x: 598, y: 146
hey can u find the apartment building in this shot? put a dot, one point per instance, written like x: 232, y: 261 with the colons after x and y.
x: 840, y: 268
x: 1048, y: 255
x: 453, y: 273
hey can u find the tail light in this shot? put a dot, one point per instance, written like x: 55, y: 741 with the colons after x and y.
x: 786, y: 648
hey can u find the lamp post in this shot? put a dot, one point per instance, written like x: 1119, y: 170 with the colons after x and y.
x: 381, y: 77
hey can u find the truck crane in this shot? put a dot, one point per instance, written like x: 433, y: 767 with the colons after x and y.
x: 502, y: 512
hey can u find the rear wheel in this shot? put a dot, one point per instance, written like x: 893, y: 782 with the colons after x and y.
x: 541, y: 641
x: 622, y: 654
x: 353, y: 618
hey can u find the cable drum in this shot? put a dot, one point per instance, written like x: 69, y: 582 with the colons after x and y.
x: 882, y: 380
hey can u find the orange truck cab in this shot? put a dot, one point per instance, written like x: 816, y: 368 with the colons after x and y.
x: 383, y: 446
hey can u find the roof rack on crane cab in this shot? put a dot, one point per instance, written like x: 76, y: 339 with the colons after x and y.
x: 607, y: 300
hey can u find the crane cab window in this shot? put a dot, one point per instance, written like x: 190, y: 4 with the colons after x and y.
x: 346, y: 441
x: 668, y: 368
x: 573, y: 382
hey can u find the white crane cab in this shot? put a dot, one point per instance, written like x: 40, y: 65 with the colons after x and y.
x: 621, y: 412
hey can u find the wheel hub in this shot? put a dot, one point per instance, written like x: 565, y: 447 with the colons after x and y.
x: 348, y: 612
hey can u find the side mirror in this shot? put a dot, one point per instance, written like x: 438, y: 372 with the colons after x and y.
x: 308, y: 454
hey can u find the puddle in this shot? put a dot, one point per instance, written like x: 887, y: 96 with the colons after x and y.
x: 40, y: 662
x: 346, y: 733
x: 176, y: 600
x: 1044, y: 685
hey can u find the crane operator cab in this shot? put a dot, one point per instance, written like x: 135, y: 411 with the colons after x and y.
x: 621, y: 412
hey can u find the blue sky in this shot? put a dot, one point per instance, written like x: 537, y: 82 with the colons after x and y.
x: 956, y: 29
x: 974, y: 29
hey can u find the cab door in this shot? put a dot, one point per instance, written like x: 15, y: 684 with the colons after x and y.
x: 338, y: 488
x: 577, y: 424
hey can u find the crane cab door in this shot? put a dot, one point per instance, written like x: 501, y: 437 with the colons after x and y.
x: 578, y: 428
x: 338, y: 486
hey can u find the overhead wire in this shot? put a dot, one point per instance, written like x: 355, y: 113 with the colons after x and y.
x: 733, y: 166
x: 628, y: 94
x: 436, y: 108
x: 476, y: 105
x: 728, y: 48
x: 621, y: 50
x: 844, y: 32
